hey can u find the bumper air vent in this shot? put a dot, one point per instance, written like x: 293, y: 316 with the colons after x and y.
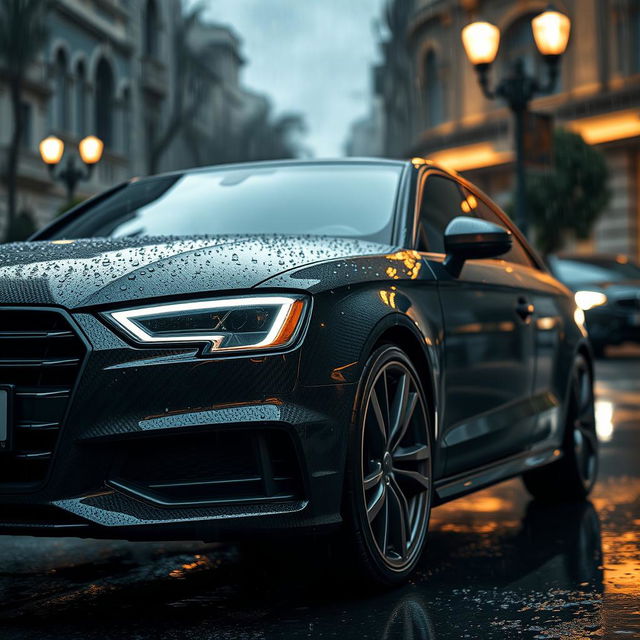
x: 223, y: 467
x: 40, y: 358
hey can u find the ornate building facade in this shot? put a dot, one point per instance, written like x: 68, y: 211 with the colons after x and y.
x: 434, y: 106
x: 111, y: 68
x: 104, y: 71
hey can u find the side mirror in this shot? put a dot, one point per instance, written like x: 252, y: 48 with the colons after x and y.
x: 468, y: 238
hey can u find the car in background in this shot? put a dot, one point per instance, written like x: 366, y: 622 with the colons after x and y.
x: 607, y: 289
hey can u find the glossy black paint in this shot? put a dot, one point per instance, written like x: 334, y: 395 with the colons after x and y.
x: 494, y: 347
x: 467, y: 238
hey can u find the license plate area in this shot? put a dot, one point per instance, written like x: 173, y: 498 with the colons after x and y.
x: 6, y: 417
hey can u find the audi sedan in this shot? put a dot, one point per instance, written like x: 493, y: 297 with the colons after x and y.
x: 285, y: 348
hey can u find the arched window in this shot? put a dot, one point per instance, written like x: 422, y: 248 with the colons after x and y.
x: 61, y: 76
x: 517, y: 43
x: 433, y: 90
x: 104, y: 102
x: 81, y: 100
x: 151, y: 28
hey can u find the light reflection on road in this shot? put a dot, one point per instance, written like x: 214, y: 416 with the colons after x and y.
x: 604, y: 420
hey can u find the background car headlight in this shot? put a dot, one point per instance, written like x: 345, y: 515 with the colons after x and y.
x: 588, y: 299
x: 225, y: 324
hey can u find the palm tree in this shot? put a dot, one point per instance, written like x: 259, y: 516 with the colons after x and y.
x: 279, y: 138
x: 22, y: 33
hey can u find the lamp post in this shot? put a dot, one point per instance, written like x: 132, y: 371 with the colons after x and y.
x: 481, y: 41
x: 90, y: 150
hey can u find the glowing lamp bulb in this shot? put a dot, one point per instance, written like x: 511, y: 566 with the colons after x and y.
x: 51, y: 150
x: 91, y: 149
x: 481, y: 41
x: 551, y: 31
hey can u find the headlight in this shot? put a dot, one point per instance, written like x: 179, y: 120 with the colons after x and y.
x: 588, y: 299
x: 226, y: 324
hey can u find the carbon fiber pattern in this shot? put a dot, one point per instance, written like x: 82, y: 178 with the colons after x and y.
x: 274, y: 411
x: 180, y: 386
x: 386, y: 266
x: 16, y: 290
x: 113, y: 509
x: 106, y: 271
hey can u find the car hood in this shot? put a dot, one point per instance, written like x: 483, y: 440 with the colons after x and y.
x: 80, y: 273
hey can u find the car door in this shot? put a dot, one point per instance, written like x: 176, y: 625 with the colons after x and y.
x: 488, y: 340
x: 546, y: 297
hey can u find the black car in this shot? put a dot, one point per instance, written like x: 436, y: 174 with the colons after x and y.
x: 607, y: 288
x: 285, y: 348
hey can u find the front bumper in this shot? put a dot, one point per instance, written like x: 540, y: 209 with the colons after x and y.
x: 161, y: 444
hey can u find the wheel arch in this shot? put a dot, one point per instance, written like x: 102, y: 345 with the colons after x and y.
x: 582, y: 348
x: 398, y: 330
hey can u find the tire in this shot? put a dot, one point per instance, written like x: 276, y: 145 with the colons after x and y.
x: 573, y: 476
x: 388, y: 475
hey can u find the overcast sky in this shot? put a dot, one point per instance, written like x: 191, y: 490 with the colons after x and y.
x: 312, y: 56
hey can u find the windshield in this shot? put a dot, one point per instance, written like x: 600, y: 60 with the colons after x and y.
x: 352, y: 200
x: 603, y: 270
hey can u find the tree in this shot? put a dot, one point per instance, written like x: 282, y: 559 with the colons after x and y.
x: 182, y: 110
x: 259, y: 137
x: 22, y: 33
x: 569, y: 199
x: 276, y: 139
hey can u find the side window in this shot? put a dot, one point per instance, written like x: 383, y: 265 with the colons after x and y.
x: 441, y: 202
x: 474, y: 206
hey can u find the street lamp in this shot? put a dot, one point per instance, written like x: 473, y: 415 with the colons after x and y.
x: 90, y: 150
x: 481, y: 41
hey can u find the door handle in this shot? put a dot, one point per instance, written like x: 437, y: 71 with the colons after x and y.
x: 524, y: 309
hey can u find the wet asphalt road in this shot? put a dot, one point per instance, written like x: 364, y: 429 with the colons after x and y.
x: 497, y: 566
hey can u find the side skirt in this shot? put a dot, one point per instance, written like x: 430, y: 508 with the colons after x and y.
x: 455, y: 486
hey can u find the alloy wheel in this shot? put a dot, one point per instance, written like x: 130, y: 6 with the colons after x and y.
x: 585, y: 440
x: 396, y: 465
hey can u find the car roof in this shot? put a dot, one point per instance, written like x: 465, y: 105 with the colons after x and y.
x: 416, y: 163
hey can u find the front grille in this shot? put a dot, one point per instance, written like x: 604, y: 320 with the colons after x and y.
x: 229, y: 466
x: 40, y: 357
x: 631, y: 304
